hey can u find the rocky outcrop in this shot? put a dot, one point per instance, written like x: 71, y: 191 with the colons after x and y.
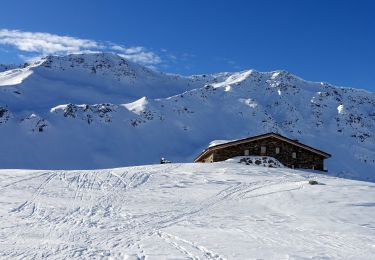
x: 4, y: 115
x: 88, y: 113
x: 34, y: 123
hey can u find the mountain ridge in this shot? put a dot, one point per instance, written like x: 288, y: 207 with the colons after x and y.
x: 100, y: 111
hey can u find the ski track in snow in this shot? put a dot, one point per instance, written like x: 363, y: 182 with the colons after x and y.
x: 184, y: 211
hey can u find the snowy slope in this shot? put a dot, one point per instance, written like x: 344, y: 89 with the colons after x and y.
x: 92, y: 111
x: 185, y: 211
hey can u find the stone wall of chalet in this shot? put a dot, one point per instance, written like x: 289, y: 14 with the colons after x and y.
x: 305, y: 159
x: 209, y: 158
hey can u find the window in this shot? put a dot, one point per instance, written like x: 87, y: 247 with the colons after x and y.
x: 294, y: 155
x: 246, y: 153
x: 263, y: 149
x: 277, y: 150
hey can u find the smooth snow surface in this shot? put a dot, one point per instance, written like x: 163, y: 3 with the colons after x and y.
x: 14, y: 77
x: 185, y: 211
x: 137, y: 106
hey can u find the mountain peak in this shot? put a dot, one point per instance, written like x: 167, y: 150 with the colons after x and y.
x: 105, y: 64
x: 86, y: 60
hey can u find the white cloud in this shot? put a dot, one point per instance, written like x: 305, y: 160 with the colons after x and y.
x: 137, y: 54
x: 36, y: 44
x: 44, y: 43
x: 118, y: 48
x: 129, y: 50
x: 143, y: 57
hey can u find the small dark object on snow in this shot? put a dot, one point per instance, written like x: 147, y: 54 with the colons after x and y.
x: 163, y: 161
x: 313, y: 182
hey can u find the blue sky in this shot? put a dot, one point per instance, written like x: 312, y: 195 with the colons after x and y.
x: 332, y: 41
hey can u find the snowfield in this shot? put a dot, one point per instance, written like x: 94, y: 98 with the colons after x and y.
x: 185, y: 211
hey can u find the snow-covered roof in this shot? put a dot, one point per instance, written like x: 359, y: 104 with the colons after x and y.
x: 218, y: 142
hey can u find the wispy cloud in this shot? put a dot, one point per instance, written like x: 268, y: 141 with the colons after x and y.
x: 141, y: 55
x: 35, y: 44
x: 45, y: 43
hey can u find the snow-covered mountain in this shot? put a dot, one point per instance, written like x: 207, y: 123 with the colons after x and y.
x: 88, y: 111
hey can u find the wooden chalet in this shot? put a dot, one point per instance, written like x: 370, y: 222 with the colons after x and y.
x: 290, y: 153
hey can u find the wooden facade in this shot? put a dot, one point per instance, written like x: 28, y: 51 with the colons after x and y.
x: 290, y: 153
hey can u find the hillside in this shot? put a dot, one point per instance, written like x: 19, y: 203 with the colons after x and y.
x: 91, y: 111
x: 185, y: 211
